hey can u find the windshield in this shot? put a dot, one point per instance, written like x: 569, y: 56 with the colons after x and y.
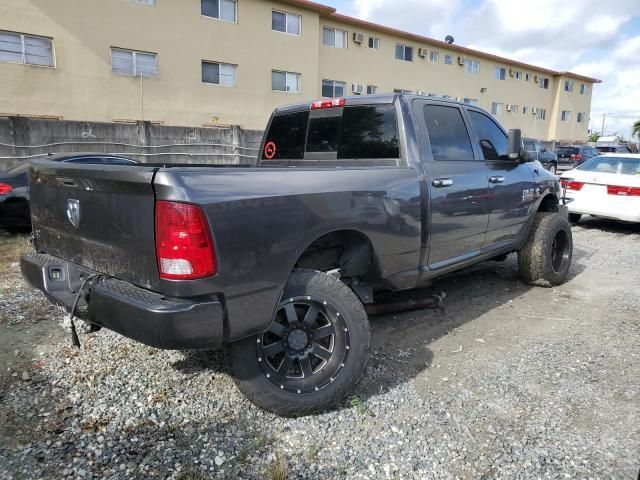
x: 622, y: 165
x: 20, y: 168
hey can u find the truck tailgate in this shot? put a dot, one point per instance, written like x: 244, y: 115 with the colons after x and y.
x: 97, y: 216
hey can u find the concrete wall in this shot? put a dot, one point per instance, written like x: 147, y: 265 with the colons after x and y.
x: 23, y: 138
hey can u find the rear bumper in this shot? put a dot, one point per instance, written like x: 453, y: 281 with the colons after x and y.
x: 142, y: 315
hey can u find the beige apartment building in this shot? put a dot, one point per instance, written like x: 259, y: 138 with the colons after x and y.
x: 221, y: 62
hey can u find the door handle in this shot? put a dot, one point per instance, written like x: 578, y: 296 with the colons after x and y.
x: 442, y: 182
x: 496, y: 179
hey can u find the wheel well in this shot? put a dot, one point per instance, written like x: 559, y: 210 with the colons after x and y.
x: 348, y: 250
x: 549, y: 204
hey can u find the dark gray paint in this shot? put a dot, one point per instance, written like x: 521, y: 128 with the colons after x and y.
x: 263, y: 218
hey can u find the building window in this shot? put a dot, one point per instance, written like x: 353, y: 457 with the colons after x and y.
x: 133, y: 63
x: 333, y: 37
x: 524, y: 110
x: 527, y: 77
x: 514, y: 108
x: 374, y: 43
x: 220, y: 9
x: 583, y: 89
x: 448, y: 60
x: 219, y: 73
x: 472, y: 66
x: 565, y: 116
x: 372, y: 89
x: 541, y: 114
x: 285, y: 22
x: 401, y: 90
x: 500, y: 73
x: 28, y: 49
x: 151, y: 3
x: 568, y: 86
x: 285, y: 81
x: 434, y: 56
x: 470, y: 101
x: 496, y: 108
x: 544, y: 82
x: 580, y: 118
x: 518, y: 75
x: 333, y: 88
x: 404, y: 52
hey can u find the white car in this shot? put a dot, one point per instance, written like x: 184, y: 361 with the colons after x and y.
x: 605, y: 186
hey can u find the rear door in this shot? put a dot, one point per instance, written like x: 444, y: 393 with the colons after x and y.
x: 457, y: 183
x: 98, y: 216
x: 511, y: 183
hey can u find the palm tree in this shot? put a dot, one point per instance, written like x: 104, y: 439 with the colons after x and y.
x: 635, y: 132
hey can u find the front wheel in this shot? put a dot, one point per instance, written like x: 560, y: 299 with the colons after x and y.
x: 546, y: 256
x: 313, y: 353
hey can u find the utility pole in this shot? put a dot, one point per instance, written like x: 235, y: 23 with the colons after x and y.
x: 604, y: 117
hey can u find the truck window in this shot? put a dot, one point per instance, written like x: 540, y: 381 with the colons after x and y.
x: 369, y: 131
x: 324, y: 132
x: 493, y: 141
x: 285, y: 140
x: 447, y: 133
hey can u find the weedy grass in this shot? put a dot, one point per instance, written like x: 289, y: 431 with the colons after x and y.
x: 278, y: 469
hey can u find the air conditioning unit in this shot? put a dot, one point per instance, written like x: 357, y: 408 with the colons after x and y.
x: 358, y: 37
x: 357, y: 88
x: 423, y: 52
x: 534, y: 111
x: 509, y: 107
x: 461, y: 61
x: 512, y: 72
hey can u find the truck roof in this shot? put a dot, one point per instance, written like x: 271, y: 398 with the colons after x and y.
x: 379, y: 98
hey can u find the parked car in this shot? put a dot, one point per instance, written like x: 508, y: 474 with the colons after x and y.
x: 537, y: 151
x: 606, y: 186
x: 575, y: 154
x: 349, y: 198
x: 14, y: 188
x: 613, y: 149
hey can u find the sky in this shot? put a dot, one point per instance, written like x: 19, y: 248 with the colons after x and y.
x: 597, y: 38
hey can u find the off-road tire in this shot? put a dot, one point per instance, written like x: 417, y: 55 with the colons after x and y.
x: 536, y: 258
x: 249, y: 370
x: 575, y: 217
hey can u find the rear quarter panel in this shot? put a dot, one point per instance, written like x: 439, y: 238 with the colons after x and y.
x: 262, y: 219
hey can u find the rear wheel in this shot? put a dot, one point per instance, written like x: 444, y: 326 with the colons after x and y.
x: 546, y: 256
x: 313, y: 353
x: 575, y: 217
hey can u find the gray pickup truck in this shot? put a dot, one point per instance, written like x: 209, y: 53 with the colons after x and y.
x: 350, y: 197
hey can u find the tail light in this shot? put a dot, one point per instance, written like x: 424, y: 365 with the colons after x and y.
x: 623, y: 191
x: 328, y: 103
x: 572, y: 185
x: 576, y: 157
x: 4, y: 188
x: 184, y: 247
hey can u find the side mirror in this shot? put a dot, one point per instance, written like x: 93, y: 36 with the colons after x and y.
x: 515, y: 151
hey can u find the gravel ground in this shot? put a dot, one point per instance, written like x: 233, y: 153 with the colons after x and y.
x: 509, y: 381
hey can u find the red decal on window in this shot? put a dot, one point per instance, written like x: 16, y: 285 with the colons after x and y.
x: 270, y: 150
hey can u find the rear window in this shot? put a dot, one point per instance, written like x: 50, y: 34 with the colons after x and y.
x: 286, y: 137
x: 567, y: 151
x: 368, y: 132
x: 625, y: 166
